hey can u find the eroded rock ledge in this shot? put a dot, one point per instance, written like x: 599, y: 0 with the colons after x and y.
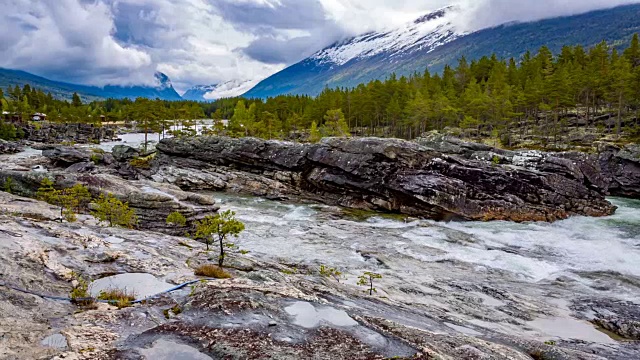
x: 389, y: 175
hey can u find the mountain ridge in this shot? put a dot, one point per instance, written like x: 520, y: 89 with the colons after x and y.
x: 62, y: 90
x: 444, y: 46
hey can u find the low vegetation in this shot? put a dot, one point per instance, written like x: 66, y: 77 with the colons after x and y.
x: 176, y: 219
x: 117, y: 297
x: 143, y: 163
x: 8, y: 185
x: 111, y: 210
x: 219, y: 228
x: 330, y: 272
x: 70, y: 200
x: 212, y: 271
x: 80, y: 293
x: 367, y: 279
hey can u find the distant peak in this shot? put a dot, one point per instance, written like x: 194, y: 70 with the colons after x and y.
x: 436, y: 14
x: 162, y: 80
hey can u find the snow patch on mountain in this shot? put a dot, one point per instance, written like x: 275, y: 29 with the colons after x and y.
x: 426, y: 33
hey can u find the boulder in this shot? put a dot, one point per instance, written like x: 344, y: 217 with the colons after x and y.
x: 466, y: 181
x: 123, y: 153
x: 10, y: 147
x: 82, y: 167
x: 67, y: 155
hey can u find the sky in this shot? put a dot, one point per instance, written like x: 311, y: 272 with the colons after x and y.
x: 123, y: 42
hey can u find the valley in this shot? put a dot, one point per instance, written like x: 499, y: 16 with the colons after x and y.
x: 320, y: 180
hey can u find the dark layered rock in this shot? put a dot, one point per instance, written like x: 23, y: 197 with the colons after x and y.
x: 151, y: 202
x: 621, y: 168
x: 390, y: 175
x: 66, y: 155
x: 9, y: 147
x: 124, y: 153
x: 53, y: 133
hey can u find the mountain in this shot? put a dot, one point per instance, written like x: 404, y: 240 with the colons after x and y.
x: 218, y: 91
x: 162, y: 88
x: 433, y: 42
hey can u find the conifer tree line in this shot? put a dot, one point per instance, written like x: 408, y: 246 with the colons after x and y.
x: 540, y: 93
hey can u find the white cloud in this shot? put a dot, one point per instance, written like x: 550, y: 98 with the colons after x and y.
x: 215, y: 41
x: 481, y: 14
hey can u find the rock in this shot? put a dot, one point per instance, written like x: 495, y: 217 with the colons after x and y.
x: 82, y: 167
x: 621, y: 167
x: 391, y: 175
x: 67, y: 155
x: 151, y: 202
x: 618, y: 317
x: 54, y: 133
x: 124, y: 153
x: 10, y: 147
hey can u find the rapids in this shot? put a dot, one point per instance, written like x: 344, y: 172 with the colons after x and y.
x: 483, y: 277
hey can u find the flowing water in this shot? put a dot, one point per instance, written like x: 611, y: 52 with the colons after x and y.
x: 496, y: 276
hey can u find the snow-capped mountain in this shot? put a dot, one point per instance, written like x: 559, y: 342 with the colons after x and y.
x: 218, y: 91
x: 432, y: 42
x: 424, y: 34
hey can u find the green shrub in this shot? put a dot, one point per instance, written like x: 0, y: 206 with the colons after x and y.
x: 80, y: 293
x: 8, y: 185
x: 113, y: 211
x: 177, y: 219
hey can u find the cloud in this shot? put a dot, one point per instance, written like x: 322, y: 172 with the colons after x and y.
x: 69, y: 38
x: 102, y: 42
x: 481, y: 14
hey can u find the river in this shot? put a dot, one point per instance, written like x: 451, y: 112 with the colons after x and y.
x: 496, y: 276
x: 479, y: 278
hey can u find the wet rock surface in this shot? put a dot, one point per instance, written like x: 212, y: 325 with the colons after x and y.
x: 621, y: 166
x: 618, y: 317
x: 389, y: 175
x: 10, y: 147
x: 268, y: 310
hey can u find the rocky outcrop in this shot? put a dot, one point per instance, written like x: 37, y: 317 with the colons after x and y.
x: 53, y: 133
x: 124, y: 153
x: 621, y: 167
x: 151, y: 202
x: 66, y: 155
x: 390, y: 175
x: 9, y: 147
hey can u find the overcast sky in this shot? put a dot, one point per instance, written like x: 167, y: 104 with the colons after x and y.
x: 102, y: 42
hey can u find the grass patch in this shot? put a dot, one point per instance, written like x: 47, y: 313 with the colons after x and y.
x: 117, y: 297
x: 176, y: 310
x: 142, y: 162
x: 80, y: 293
x: 212, y: 271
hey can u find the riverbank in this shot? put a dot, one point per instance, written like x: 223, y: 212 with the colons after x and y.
x: 449, y: 290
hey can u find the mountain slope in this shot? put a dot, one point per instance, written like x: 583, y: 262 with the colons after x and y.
x: 163, y: 88
x: 410, y: 49
x: 218, y: 91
